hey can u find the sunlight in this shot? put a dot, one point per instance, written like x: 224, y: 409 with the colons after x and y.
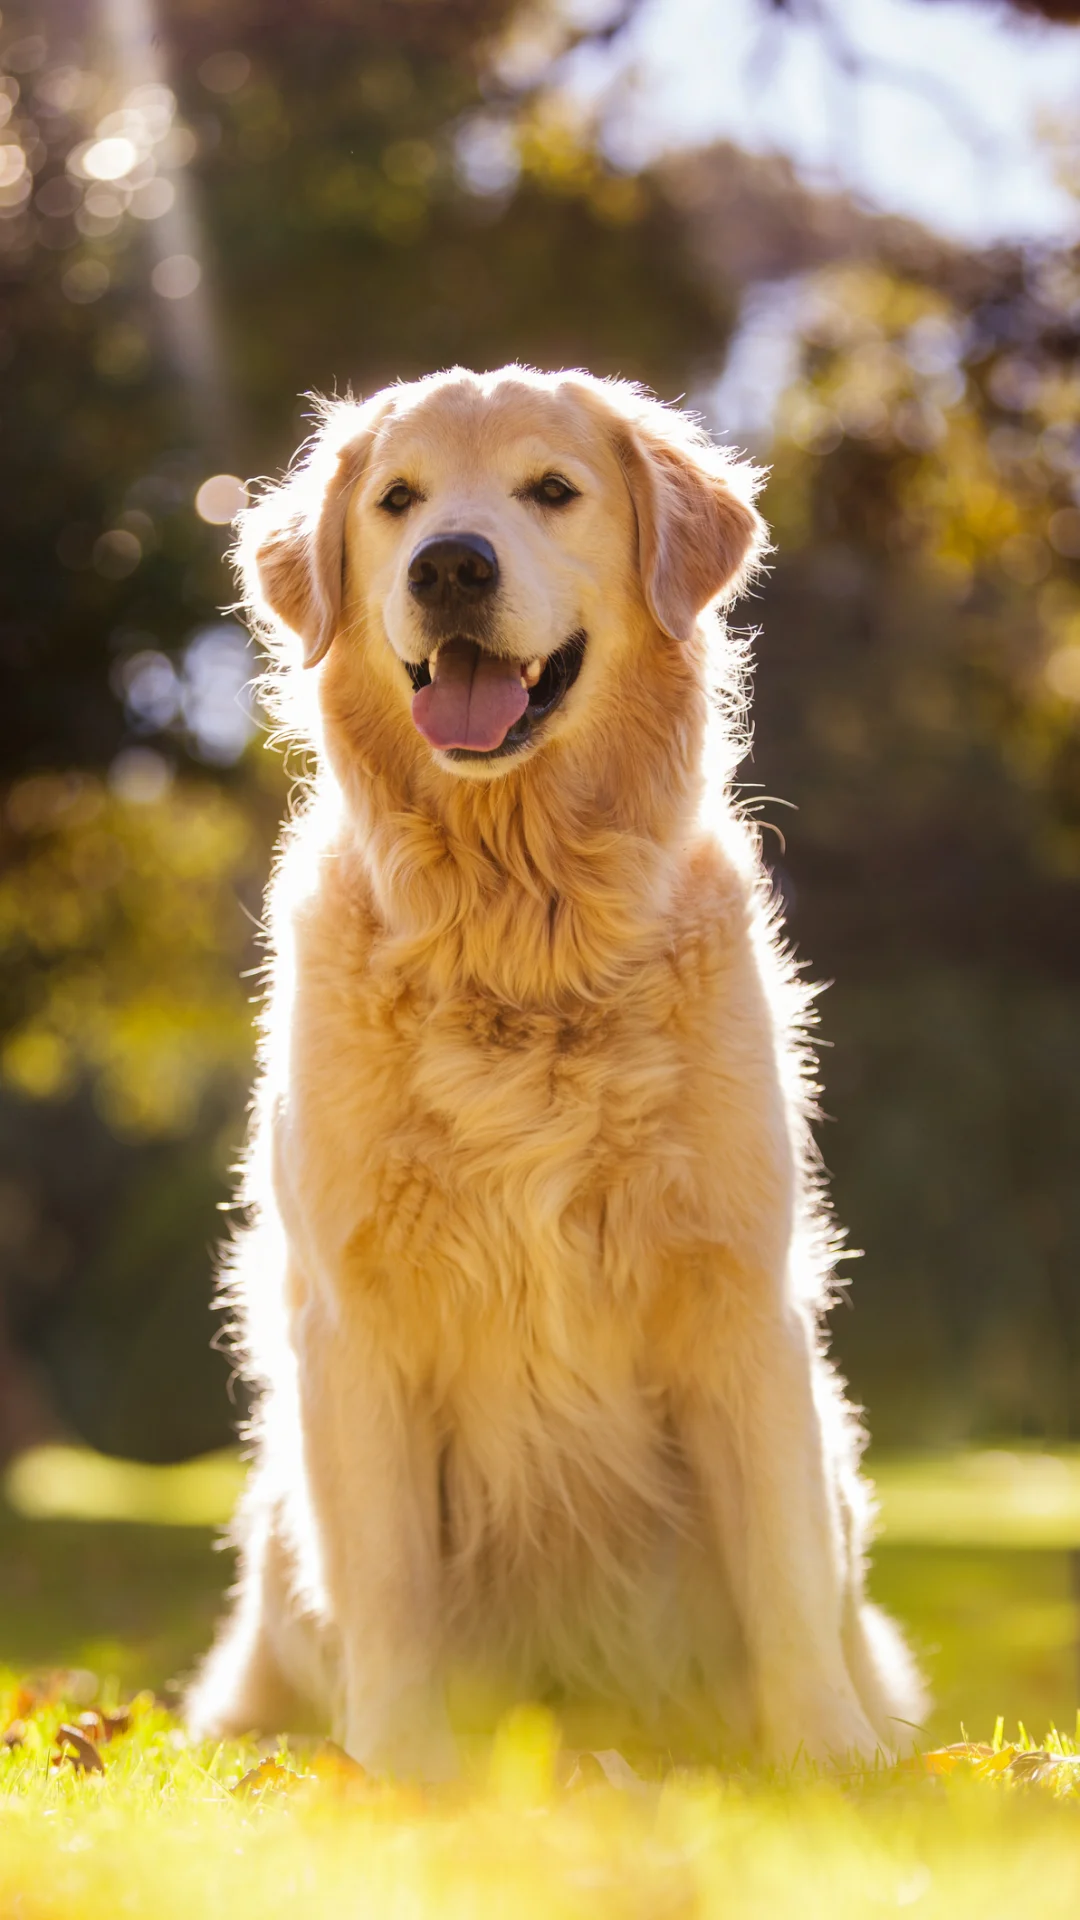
x: 135, y: 162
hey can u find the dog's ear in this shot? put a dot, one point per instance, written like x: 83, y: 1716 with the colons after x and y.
x: 290, y: 546
x: 699, y: 533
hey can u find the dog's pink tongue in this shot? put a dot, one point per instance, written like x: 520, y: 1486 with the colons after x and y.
x: 473, y: 698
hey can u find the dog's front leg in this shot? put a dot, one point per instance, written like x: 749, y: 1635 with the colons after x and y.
x: 371, y: 1467
x: 754, y: 1430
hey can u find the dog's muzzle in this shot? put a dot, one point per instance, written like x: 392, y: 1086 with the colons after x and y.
x: 471, y: 703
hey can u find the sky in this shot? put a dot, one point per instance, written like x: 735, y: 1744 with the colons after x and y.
x: 938, y: 118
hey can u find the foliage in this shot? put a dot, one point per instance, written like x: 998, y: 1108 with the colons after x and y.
x: 926, y: 467
x: 116, y: 926
x: 127, y: 952
x: 917, y: 702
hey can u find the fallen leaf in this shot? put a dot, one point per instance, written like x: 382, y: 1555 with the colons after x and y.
x: 1041, y: 1765
x: 597, y: 1766
x: 960, y: 1753
x: 84, y: 1756
x: 336, y: 1772
x: 334, y: 1767
x: 268, y: 1773
x: 1030, y: 1767
x: 103, y: 1723
x: 618, y: 1772
x: 587, y: 1772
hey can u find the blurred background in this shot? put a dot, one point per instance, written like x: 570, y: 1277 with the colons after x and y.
x: 847, y: 232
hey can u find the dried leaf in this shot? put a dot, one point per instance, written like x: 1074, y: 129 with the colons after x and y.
x: 1042, y: 1766
x: 618, y: 1772
x: 597, y: 1766
x: 1030, y: 1767
x: 103, y: 1723
x: 961, y: 1753
x: 84, y: 1756
x: 335, y: 1771
x: 587, y: 1772
x: 268, y: 1773
x: 334, y: 1767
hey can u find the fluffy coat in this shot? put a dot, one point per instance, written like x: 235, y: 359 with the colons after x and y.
x: 537, y: 1247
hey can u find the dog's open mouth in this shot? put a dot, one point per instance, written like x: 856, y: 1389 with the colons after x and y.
x: 473, y: 704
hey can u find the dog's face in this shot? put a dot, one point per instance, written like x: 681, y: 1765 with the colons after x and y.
x: 492, y: 539
x: 489, y: 552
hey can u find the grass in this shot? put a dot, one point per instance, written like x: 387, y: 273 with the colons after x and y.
x: 169, y: 1830
x: 105, y: 1608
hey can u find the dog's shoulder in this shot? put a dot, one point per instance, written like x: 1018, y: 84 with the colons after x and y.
x: 723, y: 893
x: 320, y: 907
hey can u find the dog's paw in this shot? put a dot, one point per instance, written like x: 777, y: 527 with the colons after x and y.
x: 411, y: 1741
x: 830, y: 1732
x: 211, y: 1711
x: 239, y: 1689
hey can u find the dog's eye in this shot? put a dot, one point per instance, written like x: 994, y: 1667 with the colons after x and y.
x: 552, y: 491
x: 398, y: 498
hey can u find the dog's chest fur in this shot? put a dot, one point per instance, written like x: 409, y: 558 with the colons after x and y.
x: 515, y: 1194
x: 545, y: 1159
x: 485, y: 1141
x: 528, y: 1206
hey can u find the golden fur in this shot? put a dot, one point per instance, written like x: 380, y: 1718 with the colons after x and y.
x: 537, y: 1246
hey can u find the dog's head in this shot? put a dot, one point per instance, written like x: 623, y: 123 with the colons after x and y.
x: 483, y: 561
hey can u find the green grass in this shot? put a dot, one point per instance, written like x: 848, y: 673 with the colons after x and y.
x: 128, y: 1603
x: 169, y: 1830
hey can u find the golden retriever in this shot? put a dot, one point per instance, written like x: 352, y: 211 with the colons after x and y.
x: 538, y: 1249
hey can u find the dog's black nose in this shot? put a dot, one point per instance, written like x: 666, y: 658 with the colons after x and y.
x: 453, y: 566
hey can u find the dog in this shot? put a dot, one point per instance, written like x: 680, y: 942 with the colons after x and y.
x: 537, y: 1247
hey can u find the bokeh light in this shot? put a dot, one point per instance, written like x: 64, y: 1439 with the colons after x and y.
x: 225, y: 72
x: 215, y: 693
x: 220, y: 499
x: 177, y: 276
x: 109, y: 159
x: 12, y: 164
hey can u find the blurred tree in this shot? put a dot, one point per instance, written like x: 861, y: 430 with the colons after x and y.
x: 206, y: 210
x: 921, y: 705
